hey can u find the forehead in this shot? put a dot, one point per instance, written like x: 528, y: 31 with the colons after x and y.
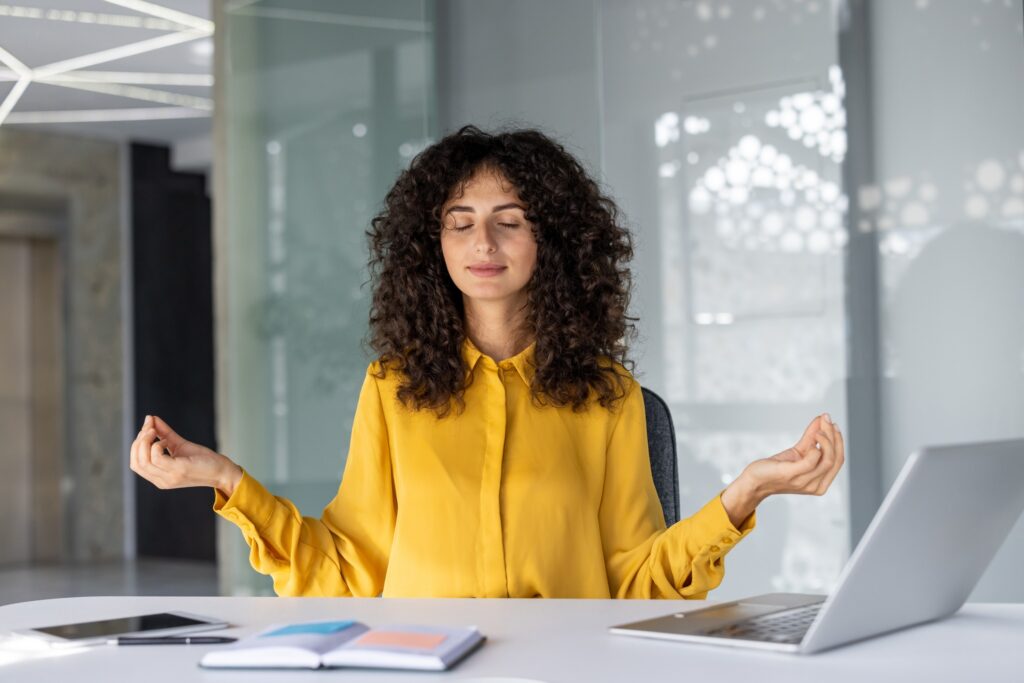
x: 485, y: 183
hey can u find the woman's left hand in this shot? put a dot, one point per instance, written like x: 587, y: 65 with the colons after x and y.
x: 807, y: 468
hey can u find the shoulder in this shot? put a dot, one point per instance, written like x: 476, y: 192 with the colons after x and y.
x: 383, y: 378
x: 384, y: 371
x: 618, y: 373
x: 624, y: 387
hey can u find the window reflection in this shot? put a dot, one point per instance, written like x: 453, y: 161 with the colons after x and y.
x: 752, y: 231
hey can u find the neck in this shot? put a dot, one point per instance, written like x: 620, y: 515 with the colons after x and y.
x: 496, y: 327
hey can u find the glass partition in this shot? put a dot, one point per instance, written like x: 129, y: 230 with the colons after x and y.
x: 321, y: 105
x: 724, y: 133
x: 800, y: 248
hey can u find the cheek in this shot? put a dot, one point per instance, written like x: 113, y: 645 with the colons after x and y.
x: 531, y: 260
x: 526, y: 254
x: 448, y: 253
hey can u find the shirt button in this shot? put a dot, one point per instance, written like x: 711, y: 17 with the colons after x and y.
x: 715, y: 549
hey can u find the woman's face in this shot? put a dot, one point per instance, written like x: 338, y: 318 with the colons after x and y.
x: 488, y: 244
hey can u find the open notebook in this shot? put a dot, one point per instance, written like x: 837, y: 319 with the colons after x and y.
x: 348, y: 644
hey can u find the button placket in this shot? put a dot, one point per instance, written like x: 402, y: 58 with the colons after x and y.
x: 491, y: 560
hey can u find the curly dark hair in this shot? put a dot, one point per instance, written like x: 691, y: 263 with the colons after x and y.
x: 577, y: 296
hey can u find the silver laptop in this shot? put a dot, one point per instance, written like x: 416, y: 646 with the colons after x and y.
x: 932, y: 538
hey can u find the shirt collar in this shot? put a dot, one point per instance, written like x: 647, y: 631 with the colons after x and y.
x: 522, y: 362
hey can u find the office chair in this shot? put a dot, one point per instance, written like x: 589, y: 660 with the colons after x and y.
x: 661, y: 447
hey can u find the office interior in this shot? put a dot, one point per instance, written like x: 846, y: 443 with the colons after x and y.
x: 827, y: 198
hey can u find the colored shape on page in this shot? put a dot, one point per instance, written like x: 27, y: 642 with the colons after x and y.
x: 416, y: 641
x: 321, y: 627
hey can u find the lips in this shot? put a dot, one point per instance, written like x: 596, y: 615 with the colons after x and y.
x: 487, y: 269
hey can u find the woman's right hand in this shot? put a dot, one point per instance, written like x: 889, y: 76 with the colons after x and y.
x: 188, y: 464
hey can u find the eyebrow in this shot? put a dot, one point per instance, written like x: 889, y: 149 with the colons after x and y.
x: 499, y: 207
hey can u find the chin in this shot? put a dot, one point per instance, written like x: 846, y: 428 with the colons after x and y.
x: 487, y: 293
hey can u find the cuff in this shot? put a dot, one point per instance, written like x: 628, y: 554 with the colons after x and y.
x: 250, y: 503
x: 711, y: 527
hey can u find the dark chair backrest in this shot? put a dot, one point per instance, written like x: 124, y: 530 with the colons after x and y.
x: 661, y: 446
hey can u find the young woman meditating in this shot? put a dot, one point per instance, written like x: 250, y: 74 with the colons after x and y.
x: 499, y: 445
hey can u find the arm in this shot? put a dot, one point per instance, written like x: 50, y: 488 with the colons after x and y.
x: 343, y: 553
x: 687, y: 560
x: 346, y: 551
x: 642, y: 557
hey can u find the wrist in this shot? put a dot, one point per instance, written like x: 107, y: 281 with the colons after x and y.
x: 229, y: 478
x: 741, y: 498
x: 753, y: 487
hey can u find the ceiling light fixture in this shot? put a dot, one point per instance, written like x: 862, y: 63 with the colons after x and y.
x: 15, y: 64
x: 115, y: 53
x: 24, y: 78
x: 137, y: 93
x: 12, y: 97
x: 97, y: 18
x: 104, y: 115
x: 162, y: 12
x: 58, y: 73
x: 319, y: 17
x: 131, y: 77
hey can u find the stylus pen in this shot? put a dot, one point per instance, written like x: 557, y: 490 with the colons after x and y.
x: 171, y: 640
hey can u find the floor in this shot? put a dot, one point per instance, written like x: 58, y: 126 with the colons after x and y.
x: 140, y: 577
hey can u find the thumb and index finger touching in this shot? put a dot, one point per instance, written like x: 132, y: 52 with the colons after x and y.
x: 806, y: 447
x: 810, y: 435
x: 164, y: 431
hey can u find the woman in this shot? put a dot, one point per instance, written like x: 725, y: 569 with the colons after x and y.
x: 499, y: 446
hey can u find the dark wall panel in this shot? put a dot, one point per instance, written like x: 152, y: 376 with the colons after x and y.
x: 173, y: 309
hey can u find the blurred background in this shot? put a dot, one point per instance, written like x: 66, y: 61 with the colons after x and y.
x: 827, y: 198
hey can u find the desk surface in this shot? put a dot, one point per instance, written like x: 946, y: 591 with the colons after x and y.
x: 528, y: 640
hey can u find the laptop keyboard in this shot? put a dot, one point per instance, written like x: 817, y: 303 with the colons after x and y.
x: 788, y: 626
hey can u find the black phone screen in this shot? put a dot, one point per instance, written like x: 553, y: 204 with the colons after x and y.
x: 110, y: 627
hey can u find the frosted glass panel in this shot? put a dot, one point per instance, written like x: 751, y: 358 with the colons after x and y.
x: 948, y: 210
x: 724, y: 131
x: 325, y: 102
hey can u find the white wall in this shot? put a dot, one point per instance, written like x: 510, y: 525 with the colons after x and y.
x: 949, y: 107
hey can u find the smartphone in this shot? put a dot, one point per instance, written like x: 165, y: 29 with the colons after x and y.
x: 94, y: 632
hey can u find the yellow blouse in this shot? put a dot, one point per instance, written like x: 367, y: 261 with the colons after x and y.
x: 506, y: 499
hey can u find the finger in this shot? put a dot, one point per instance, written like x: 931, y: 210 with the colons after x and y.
x: 800, y: 468
x: 836, y: 466
x: 144, y: 453
x: 806, y: 480
x: 167, y: 434
x: 791, y: 454
x: 828, y: 456
x: 828, y: 451
x: 133, y: 452
x: 830, y: 426
x: 806, y: 441
x: 166, y: 463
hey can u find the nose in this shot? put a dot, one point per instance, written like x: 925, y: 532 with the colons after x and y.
x: 484, y: 242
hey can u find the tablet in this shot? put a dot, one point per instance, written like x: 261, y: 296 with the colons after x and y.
x: 93, y: 632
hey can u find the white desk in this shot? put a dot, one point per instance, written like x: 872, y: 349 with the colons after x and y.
x: 535, y: 640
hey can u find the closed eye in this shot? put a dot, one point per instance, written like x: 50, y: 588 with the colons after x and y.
x: 509, y: 225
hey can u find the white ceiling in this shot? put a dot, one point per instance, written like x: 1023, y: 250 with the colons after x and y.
x: 169, y: 88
